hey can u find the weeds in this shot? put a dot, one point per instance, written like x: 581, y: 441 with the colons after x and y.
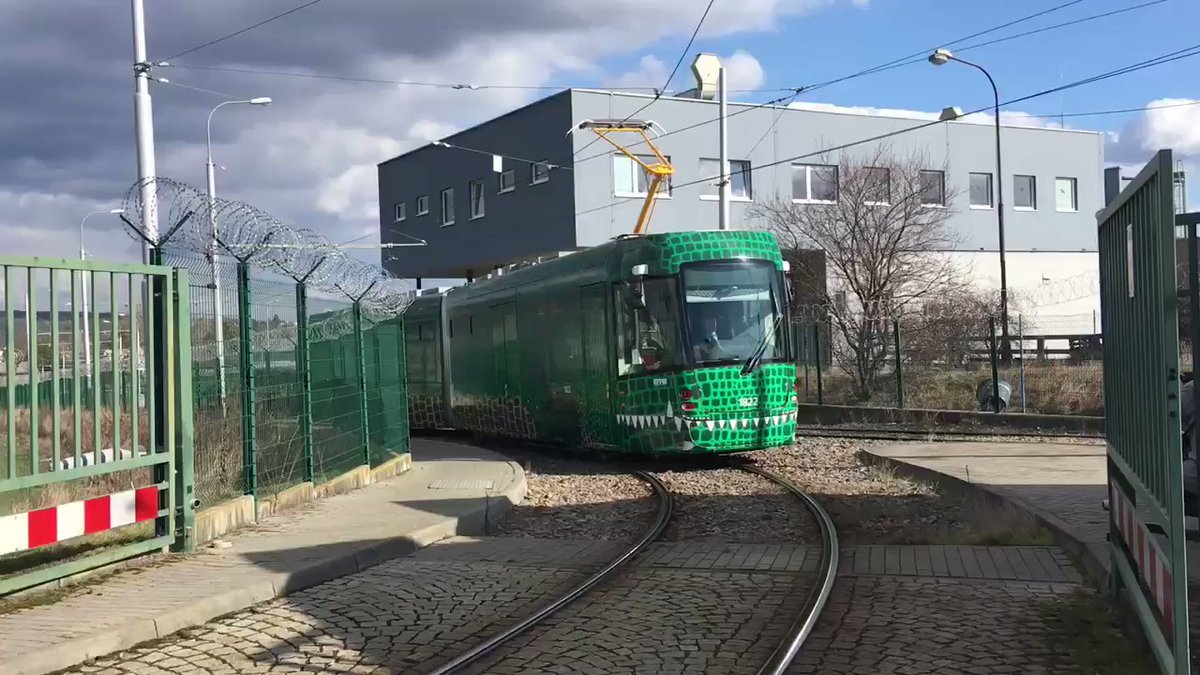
x: 1058, y: 389
x: 1084, y: 629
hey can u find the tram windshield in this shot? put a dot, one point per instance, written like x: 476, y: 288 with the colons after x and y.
x: 731, y: 308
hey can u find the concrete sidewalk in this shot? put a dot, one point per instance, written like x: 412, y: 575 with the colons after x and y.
x: 1063, y: 485
x: 451, y: 489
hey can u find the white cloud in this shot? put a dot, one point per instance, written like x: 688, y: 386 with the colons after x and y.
x: 743, y: 70
x: 1176, y: 127
x: 309, y: 158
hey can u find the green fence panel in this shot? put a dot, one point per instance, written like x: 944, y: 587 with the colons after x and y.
x: 1141, y: 389
x: 216, y: 379
x: 277, y: 394
x: 81, y: 387
x: 336, y: 409
x: 387, y: 390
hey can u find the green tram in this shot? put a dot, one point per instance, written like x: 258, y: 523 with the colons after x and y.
x: 672, y: 343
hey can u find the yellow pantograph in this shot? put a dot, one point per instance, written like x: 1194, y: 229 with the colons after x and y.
x: 656, y: 170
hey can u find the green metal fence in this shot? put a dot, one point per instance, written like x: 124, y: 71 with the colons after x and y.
x: 95, y: 416
x: 941, y: 361
x: 300, y: 404
x: 1141, y: 389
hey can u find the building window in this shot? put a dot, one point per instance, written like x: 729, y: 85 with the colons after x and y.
x: 539, y: 172
x: 448, y: 206
x: 1065, y: 196
x: 739, y: 179
x: 981, y: 190
x: 477, y: 205
x: 422, y: 205
x: 1024, y: 193
x: 814, y: 183
x: 508, y: 181
x: 632, y: 180
x: 878, y: 188
x: 398, y: 211
x: 933, y: 188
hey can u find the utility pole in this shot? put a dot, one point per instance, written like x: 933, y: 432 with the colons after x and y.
x: 143, y: 123
x: 723, y: 126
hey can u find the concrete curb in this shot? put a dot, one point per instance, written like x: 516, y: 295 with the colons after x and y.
x: 1084, y: 555
x: 230, y: 600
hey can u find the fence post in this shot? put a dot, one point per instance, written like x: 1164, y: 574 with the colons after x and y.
x: 185, y: 459
x: 160, y: 413
x: 995, y: 368
x: 246, y: 365
x: 362, y: 382
x: 304, y: 367
x: 1021, y: 338
x: 899, y: 368
x: 817, y: 350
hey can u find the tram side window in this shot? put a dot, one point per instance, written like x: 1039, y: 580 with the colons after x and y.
x: 648, y: 337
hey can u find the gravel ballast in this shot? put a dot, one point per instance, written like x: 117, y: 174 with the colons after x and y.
x: 577, y: 498
x: 581, y: 497
x: 732, y: 506
x: 871, y: 505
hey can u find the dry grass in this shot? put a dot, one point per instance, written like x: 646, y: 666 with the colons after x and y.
x: 1056, y: 389
x: 54, y: 494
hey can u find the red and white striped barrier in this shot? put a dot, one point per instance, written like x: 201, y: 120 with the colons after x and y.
x: 23, y: 531
x: 1152, y: 563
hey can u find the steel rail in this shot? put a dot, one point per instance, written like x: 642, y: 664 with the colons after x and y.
x: 483, y: 649
x: 941, y: 435
x: 804, y: 623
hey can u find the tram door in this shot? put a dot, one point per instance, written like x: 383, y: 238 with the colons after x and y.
x: 597, y: 356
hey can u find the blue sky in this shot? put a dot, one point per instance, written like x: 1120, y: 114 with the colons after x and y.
x: 845, y: 38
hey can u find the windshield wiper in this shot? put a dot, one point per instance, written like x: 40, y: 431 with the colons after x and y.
x: 752, y: 364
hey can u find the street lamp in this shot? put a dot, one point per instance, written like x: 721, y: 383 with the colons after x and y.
x: 87, y: 334
x: 210, y: 168
x: 941, y: 57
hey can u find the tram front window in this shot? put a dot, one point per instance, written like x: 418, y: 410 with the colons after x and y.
x: 731, y: 310
x: 649, y: 330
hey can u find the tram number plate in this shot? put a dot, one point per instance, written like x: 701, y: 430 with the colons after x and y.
x: 660, y: 381
x: 749, y: 402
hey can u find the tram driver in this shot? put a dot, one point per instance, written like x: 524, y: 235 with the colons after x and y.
x: 708, y: 345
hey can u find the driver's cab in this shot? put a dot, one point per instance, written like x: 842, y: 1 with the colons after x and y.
x: 648, y: 314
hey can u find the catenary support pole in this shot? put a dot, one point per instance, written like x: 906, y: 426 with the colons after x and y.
x: 723, y: 131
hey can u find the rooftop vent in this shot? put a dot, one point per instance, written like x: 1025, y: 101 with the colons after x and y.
x: 706, y: 68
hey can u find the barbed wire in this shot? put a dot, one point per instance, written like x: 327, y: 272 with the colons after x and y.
x: 190, y: 223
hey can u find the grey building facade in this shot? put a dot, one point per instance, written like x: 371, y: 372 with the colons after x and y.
x: 558, y: 191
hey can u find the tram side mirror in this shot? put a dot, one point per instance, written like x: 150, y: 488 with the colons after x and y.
x: 635, y: 290
x: 788, y: 279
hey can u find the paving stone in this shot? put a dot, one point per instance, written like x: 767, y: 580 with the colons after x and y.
x: 686, y: 607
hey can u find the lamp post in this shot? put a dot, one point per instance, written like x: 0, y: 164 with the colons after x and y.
x: 87, y: 333
x: 941, y: 57
x: 210, y: 169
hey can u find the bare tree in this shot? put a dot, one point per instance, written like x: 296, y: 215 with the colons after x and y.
x: 881, y: 220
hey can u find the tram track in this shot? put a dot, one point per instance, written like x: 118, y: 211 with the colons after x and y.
x: 784, y: 651
x: 935, y: 435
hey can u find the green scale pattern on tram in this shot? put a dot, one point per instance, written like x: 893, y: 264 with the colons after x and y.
x: 585, y: 352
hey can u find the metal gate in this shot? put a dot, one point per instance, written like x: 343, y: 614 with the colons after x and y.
x: 1141, y: 393
x: 95, y: 416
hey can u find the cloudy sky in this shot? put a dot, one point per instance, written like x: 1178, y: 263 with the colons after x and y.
x: 66, y: 131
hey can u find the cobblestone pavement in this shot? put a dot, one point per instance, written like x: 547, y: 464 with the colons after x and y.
x: 683, y: 607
